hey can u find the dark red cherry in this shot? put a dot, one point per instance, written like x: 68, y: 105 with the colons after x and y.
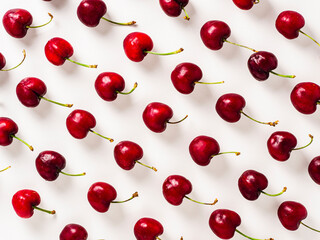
x: 173, y: 8
x: 214, y: 33
x: 73, y: 231
x: 245, y: 4
x: 289, y: 24
x: 314, y: 169
x: 147, y: 229
x: 291, y: 214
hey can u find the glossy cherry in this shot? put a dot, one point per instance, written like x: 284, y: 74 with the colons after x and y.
x: 262, y: 63
x: 31, y: 90
x: 8, y: 130
x: 314, y: 169
x: 18, y: 21
x: 3, y: 62
x: 58, y: 50
x: 73, y: 231
x: 305, y: 97
x: 137, y: 45
x: 175, y: 188
x: 245, y: 4
x: 127, y: 154
x: 147, y: 229
x: 281, y: 143
x: 203, y: 148
x: 109, y: 84
x: 185, y: 76
x: 230, y: 107
x: 173, y: 8
x: 80, y: 122
x: 224, y: 223
x: 101, y: 195
x: 25, y: 201
x: 156, y: 116
x: 252, y: 183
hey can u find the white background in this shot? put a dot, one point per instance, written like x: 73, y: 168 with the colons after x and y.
x: 44, y: 126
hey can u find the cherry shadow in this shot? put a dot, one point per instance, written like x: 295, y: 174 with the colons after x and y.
x: 4, y: 78
x: 58, y: 4
x: 122, y: 102
x: 264, y: 9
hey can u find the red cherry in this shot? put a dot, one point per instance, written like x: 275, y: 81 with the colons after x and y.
x: 156, y: 116
x: 73, y: 231
x: 3, y: 62
x: 289, y: 24
x: 314, y: 169
x: 18, y: 21
x: 245, y: 4
x: 25, y: 201
x: 137, y: 45
x: 147, y: 229
x: 58, y: 50
x: 109, y: 84
x: 291, y: 214
x: 101, y: 195
x: 173, y: 8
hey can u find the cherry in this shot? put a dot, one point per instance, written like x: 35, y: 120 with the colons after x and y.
x: 173, y: 8
x: 252, y: 183
x: 185, y: 76
x: 79, y: 123
x: 91, y: 11
x: 203, y: 148
x: 262, y: 63
x: 50, y: 163
x: 3, y: 62
x: 314, y: 169
x: 215, y: 33
x: 109, y: 84
x: 176, y: 187
x: 147, y: 229
x: 229, y: 107
x: 127, y: 154
x: 156, y: 116
x: 245, y: 4
x: 73, y: 231
x: 8, y: 129
x: 58, y: 50
x: 281, y: 143
x: 18, y: 21
x: 25, y: 201
x: 31, y: 90
x: 291, y: 214
x: 137, y: 45
x: 101, y: 195
x: 305, y: 97
x: 224, y: 223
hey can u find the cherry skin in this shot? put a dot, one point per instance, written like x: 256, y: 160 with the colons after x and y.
x: 289, y: 24
x: 173, y: 8
x: 2, y: 61
x: 245, y: 4
x: 73, y: 231
x: 291, y: 214
x: 214, y: 33
x: 91, y: 11
x: 25, y: 201
x: 280, y: 144
x: 314, y: 169
x: 305, y: 97
x: 147, y: 229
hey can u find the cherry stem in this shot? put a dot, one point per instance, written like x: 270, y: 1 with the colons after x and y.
x: 110, y: 139
x: 215, y: 201
x: 29, y: 146
x: 153, y: 168
x: 44, y: 210
x: 163, y: 54
x: 281, y: 75
x: 311, y: 140
x: 309, y: 227
x: 273, y: 124
x: 209, y: 82
x: 73, y: 175
x: 186, y: 17
x: 51, y: 17
x: 251, y: 237
x: 123, y: 24
x: 239, y: 45
x: 133, y: 196
x: 81, y: 64
x: 256, y: 1
x: 178, y: 121
x: 61, y: 104
x: 24, y: 57
x: 310, y: 37
x: 236, y: 153
x: 126, y: 93
x: 5, y: 169
x: 275, y: 195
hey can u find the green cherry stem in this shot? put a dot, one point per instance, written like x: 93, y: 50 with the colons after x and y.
x: 110, y: 139
x: 44, y: 210
x: 81, y: 64
x: 273, y: 124
x: 256, y: 1
x: 311, y: 140
x: 310, y: 37
x: 122, y: 24
x: 164, y: 54
x: 24, y: 57
x: 73, y: 175
x: 209, y: 82
x: 133, y: 196
x: 310, y: 227
x: 29, y: 146
x: 178, y: 121
x: 236, y: 153
x: 126, y: 93
x: 281, y: 75
x: 239, y: 45
x: 5, y: 169
x: 153, y: 168
x: 275, y: 195
x: 61, y: 104
x: 51, y: 17
x: 215, y: 201
x: 251, y: 237
x: 186, y: 17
